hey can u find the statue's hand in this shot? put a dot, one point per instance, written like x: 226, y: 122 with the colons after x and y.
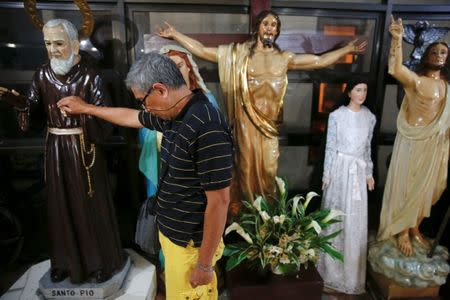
x: 167, y: 32
x: 4, y: 91
x: 396, y: 28
x: 325, y: 184
x: 370, y: 183
x: 73, y: 105
x: 357, y: 46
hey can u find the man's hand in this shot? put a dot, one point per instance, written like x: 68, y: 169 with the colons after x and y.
x: 357, y: 46
x: 370, y: 183
x: 168, y: 32
x: 396, y: 28
x: 73, y: 105
x: 200, y: 277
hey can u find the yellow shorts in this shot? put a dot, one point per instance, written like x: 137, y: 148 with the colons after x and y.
x: 179, y: 262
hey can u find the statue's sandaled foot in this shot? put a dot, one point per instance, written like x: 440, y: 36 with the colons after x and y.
x: 420, y: 239
x: 100, y: 276
x: 404, y: 243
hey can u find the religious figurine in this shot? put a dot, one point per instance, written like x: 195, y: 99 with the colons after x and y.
x: 417, y: 173
x: 253, y: 77
x: 83, y: 232
x: 347, y: 175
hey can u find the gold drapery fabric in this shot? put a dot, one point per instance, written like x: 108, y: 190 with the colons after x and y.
x: 417, y: 173
x: 255, y: 134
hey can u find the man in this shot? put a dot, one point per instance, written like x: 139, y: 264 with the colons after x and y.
x: 196, y: 150
x: 83, y: 232
x: 418, y: 170
x: 253, y: 76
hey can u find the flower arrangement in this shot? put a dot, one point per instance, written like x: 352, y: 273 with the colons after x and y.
x: 281, y: 235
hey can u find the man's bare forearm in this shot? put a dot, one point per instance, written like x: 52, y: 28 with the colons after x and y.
x: 117, y: 115
x: 215, y: 218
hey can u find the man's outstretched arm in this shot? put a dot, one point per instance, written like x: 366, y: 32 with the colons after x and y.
x: 118, y: 115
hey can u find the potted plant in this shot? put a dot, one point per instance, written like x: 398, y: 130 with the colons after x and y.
x: 281, y: 235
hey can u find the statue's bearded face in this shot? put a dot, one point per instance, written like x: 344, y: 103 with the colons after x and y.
x: 268, y: 30
x: 61, y: 51
x: 437, y: 57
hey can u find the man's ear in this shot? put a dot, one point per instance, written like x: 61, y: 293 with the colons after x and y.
x: 161, y: 89
x: 75, y: 47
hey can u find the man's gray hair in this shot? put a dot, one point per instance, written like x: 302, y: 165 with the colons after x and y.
x: 68, y: 27
x: 154, y: 68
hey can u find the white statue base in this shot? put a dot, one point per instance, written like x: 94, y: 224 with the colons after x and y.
x: 417, y: 271
x: 109, y: 289
x: 139, y: 283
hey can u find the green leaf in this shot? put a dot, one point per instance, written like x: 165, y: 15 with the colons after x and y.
x: 249, y: 222
x: 331, y: 236
x: 228, y: 251
x: 331, y: 251
x: 319, y: 214
x: 248, y: 205
x: 236, y: 259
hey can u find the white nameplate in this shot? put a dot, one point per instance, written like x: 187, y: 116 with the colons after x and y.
x: 71, y: 293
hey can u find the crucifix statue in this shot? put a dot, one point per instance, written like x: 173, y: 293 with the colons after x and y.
x: 253, y: 77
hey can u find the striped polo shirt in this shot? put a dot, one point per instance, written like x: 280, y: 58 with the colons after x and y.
x: 198, y: 149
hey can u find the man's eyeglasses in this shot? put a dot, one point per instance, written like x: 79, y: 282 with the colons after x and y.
x: 145, y: 97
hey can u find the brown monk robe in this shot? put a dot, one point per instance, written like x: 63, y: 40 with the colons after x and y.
x: 84, y: 239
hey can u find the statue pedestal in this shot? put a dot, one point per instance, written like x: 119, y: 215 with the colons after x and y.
x: 243, y: 284
x: 390, y: 290
x: 110, y: 289
x: 139, y: 283
x: 417, y: 271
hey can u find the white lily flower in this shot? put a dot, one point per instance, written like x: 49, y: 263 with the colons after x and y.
x: 264, y: 215
x: 279, y: 219
x: 275, y: 250
x: 310, y: 253
x: 333, y: 214
x: 314, y: 225
x: 245, y: 235
x: 281, y: 184
x: 257, y: 203
x: 309, y: 196
x: 235, y: 226
x: 284, y: 259
x: 295, y: 203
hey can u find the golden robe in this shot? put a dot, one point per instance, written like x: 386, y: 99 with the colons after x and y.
x: 255, y: 133
x: 417, y: 174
